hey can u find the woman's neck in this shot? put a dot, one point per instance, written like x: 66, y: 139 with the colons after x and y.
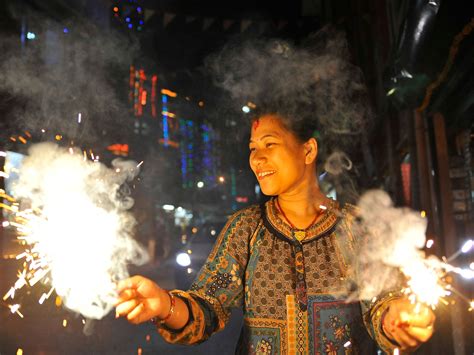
x: 301, y: 207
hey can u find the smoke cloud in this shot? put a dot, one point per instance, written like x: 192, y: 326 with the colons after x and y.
x: 392, y: 240
x: 65, y: 80
x: 312, y: 82
x: 82, y: 228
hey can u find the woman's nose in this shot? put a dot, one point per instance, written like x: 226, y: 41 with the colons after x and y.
x: 257, y: 158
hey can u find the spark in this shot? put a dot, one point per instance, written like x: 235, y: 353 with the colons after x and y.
x: 423, y: 284
x: 79, y: 117
x: 15, y: 308
x: 139, y: 164
x: 79, y: 261
x: 391, y: 91
x: 45, y: 296
x: 467, y: 246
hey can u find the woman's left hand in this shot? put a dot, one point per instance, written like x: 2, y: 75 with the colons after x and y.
x: 408, y: 324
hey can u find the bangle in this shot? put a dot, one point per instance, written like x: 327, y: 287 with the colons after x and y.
x: 170, y: 313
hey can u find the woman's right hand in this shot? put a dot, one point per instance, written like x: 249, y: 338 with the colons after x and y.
x: 140, y: 299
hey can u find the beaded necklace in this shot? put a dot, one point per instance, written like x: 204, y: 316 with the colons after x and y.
x: 299, y: 234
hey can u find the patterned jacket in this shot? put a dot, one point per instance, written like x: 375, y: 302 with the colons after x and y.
x: 294, y: 295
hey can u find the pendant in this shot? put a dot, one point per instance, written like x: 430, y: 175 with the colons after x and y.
x: 299, y: 235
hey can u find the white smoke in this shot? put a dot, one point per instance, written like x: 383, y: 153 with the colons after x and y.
x: 83, y: 232
x: 393, y: 241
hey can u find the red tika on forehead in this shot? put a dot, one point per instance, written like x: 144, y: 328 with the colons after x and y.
x: 255, y: 124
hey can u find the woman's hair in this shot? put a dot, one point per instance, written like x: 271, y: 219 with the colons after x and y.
x: 312, y: 86
x: 303, y: 128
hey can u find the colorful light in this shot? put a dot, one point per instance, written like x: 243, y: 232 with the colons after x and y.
x: 154, y: 80
x: 164, y: 101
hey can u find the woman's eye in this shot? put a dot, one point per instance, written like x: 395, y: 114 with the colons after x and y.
x: 252, y: 149
x: 268, y: 145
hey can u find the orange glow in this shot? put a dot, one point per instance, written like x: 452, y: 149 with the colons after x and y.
x: 169, y: 93
x: 143, y: 100
x: 119, y: 149
x: 169, y: 142
x: 169, y: 114
x: 28, y: 134
x: 13, y: 139
x: 21, y: 139
x: 201, y: 103
x: 116, y: 9
x: 154, y: 80
x: 132, y: 76
x: 58, y: 137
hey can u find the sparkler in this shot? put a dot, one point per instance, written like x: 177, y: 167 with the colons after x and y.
x: 397, y: 237
x: 73, y: 220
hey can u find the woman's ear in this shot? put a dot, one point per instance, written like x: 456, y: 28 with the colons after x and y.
x: 311, y: 150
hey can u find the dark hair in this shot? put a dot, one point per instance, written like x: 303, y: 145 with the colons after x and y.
x: 300, y: 125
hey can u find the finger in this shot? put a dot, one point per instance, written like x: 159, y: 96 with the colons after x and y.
x: 126, y: 295
x: 420, y: 334
x: 423, y: 319
x: 132, y: 282
x: 126, y: 307
x: 137, y: 314
x: 405, y: 341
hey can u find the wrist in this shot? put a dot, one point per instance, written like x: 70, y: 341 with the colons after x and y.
x: 384, y: 326
x: 168, y: 302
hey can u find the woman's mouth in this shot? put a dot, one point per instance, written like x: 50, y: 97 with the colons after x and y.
x: 263, y: 174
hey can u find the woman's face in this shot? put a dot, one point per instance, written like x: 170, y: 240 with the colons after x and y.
x: 277, y: 158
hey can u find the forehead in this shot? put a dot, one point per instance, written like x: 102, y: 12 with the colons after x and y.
x: 268, y: 125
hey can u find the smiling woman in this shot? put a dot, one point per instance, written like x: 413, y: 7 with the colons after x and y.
x: 286, y: 263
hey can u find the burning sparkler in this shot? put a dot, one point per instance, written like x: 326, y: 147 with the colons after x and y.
x: 72, y: 217
x: 396, y: 243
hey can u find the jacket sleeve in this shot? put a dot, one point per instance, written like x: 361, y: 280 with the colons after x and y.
x: 219, y: 285
x: 353, y: 238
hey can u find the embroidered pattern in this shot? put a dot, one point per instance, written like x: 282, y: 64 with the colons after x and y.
x: 219, y: 281
x: 256, y: 260
x: 297, y: 327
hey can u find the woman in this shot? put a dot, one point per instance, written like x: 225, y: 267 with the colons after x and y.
x: 285, y: 263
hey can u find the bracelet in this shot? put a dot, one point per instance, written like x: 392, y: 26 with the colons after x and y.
x: 157, y: 321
